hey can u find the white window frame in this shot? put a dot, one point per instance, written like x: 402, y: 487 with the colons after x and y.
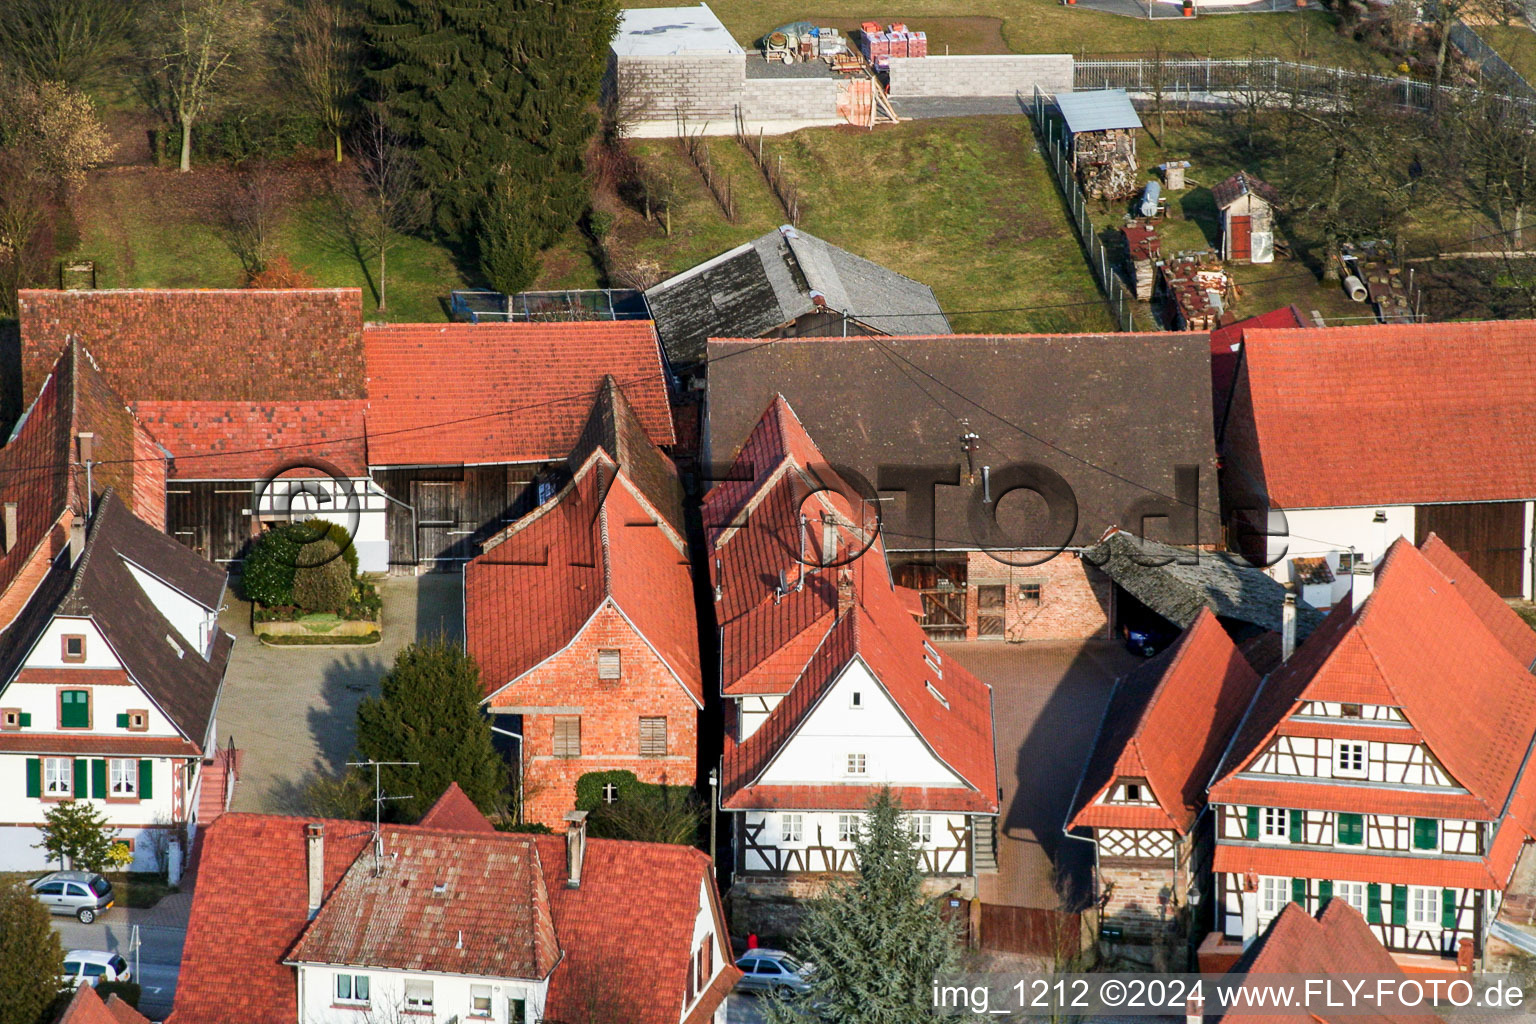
x: 1419, y: 898
x: 1353, y: 893
x: 1274, y: 893
x: 58, y: 776
x: 1350, y: 759
x: 122, y: 778
x: 1268, y: 816
x: 847, y: 827
x: 352, y: 998
x: 416, y: 1002
x: 791, y: 828
x: 857, y: 764
x: 921, y: 826
x: 477, y: 992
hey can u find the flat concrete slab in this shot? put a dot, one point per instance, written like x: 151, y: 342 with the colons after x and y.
x: 294, y: 710
x: 1048, y: 698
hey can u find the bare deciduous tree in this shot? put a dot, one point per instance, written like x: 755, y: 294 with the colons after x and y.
x: 386, y: 199
x: 323, y: 66
x: 247, y: 217
x: 192, y: 47
x: 71, y: 42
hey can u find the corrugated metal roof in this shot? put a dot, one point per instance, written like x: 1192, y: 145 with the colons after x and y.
x: 1097, y: 111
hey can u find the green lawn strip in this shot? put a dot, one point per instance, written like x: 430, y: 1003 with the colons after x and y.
x: 1516, y: 44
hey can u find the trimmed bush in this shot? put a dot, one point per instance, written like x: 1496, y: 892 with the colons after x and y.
x: 322, y: 581
x: 267, y: 575
x: 642, y: 811
x: 535, y: 827
x: 128, y: 991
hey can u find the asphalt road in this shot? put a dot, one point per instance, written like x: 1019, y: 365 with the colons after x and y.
x: 159, y: 953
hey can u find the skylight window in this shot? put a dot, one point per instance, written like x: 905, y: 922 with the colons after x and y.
x: 934, y: 692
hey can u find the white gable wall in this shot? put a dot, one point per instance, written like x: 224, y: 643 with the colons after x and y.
x: 49, y: 650
x: 196, y: 624
x: 818, y: 753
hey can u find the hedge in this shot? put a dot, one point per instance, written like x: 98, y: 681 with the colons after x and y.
x: 589, y: 789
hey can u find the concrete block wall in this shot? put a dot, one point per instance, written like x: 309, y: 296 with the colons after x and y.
x: 789, y: 99
x: 701, y: 88
x: 980, y: 75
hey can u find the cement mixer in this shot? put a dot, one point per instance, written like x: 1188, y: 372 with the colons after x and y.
x: 800, y: 40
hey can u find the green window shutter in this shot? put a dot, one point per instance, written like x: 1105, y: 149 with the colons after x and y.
x: 1299, y: 892
x: 1351, y: 829
x: 82, y: 769
x: 26, y: 719
x: 1253, y: 823
x: 34, y: 776
x: 122, y: 721
x: 1448, y: 908
x: 99, y: 779
x: 1324, y: 892
x: 1399, y: 904
x: 75, y: 709
x: 1426, y: 834
x: 1295, y: 820
x: 146, y: 779
x: 1373, y: 903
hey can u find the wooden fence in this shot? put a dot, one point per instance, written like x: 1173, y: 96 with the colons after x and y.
x: 1031, y: 930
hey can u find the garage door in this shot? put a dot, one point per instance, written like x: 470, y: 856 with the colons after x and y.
x: 1488, y: 536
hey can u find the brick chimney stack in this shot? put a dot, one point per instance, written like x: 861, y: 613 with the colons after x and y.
x: 845, y: 594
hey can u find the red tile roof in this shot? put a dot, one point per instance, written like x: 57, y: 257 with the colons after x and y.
x: 454, y: 810
x: 121, y: 746
x: 1386, y: 414
x: 1168, y: 723
x: 1227, y: 341
x: 171, y: 345
x: 537, y: 584
x: 1502, y: 621
x: 629, y: 924
x: 487, y: 393
x: 444, y: 902
x: 1308, y: 796
x: 798, y: 643
x: 1308, y: 862
x: 1338, y: 941
x: 218, y: 440
x: 1382, y: 654
x: 86, y: 1007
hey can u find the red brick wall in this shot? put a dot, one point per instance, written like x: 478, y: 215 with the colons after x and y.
x: 1074, y: 596
x: 36, y: 567
x: 148, y: 479
x: 610, y: 718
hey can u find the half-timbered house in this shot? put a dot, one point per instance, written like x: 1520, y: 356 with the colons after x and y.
x: 1142, y: 794
x: 1385, y: 765
x: 832, y: 689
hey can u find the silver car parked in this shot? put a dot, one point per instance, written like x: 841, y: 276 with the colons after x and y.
x: 81, y: 893
x: 773, y: 970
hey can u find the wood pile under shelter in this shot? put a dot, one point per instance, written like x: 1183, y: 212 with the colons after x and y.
x: 1102, y: 124
x: 1196, y: 291
x: 1142, y: 249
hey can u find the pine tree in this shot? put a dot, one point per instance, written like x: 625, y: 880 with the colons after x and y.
x: 428, y: 711
x: 30, y: 957
x: 499, y: 100
x: 877, y: 941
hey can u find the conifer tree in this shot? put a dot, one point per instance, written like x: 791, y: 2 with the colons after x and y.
x: 876, y: 942
x: 499, y: 100
x: 428, y: 711
x: 30, y: 957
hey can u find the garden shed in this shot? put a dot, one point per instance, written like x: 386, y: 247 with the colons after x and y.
x: 1102, y: 125
x: 1247, y: 207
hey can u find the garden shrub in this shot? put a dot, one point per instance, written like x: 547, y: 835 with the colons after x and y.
x: 267, y: 574
x: 322, y: 581
x: 246, y: 133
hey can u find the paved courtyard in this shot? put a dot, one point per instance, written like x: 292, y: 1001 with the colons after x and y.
x: 293, y: 710
x: 1048, y: 698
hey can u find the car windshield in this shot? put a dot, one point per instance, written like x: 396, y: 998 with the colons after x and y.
x: 100, y: 886
x: 790, y: 964
x: 119, y: 964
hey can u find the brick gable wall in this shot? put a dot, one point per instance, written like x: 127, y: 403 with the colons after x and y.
x: 1074, y: 597
x: 149, y: 470
x: 610, y: 717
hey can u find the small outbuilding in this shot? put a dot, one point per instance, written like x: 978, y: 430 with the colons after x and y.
x: 1102, y: 125
x: 1247, y: 207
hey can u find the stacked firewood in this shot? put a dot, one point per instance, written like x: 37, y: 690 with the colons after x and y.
x: 1106, y: 163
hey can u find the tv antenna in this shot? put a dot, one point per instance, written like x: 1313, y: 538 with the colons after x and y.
x: 378, y: 803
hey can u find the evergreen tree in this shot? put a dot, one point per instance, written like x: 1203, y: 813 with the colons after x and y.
x: 428, y: 711
x: 30, y: 957
x: 877, y: 941
x: 499, y: 100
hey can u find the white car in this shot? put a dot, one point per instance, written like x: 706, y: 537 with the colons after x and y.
x: 91, y: 966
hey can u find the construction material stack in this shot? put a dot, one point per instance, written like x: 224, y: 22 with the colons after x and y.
x: 1196, y: 291
x: 1143, y: 249
x: 896, y: 40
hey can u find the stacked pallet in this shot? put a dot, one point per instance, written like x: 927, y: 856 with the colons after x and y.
x: 879, y: 46
x: 1196, y: 290
x: 1143, y: 249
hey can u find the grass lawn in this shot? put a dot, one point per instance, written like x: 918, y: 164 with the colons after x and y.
x: 1516, y: 44
x: 1044, y: 26
x: 964, y: 205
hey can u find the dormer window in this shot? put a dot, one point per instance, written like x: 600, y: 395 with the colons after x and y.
x: 72, y: 648
x: 1349, y: 710
x: 1133, y: 792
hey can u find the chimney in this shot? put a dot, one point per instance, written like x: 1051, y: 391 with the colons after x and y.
x: 314, y: 841
x: 1194, y: 1010
x: 844, y: 591
x: 11, y: 534
x: 1288, y: 623
x: 87, y: 446
x: 828, y: 540
x: 575, y: 846
x: 719, y: 579
x: 76, y: 539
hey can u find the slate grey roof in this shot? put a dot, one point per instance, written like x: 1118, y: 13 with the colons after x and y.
x: 772, y: 280
x: 1178, y: 590
x: 1113, y: 415
x: 1097, y: 110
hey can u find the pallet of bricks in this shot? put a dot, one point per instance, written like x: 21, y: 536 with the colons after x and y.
x: 880, y: 46
x: 1196, y: 290
x: 1143, y: 250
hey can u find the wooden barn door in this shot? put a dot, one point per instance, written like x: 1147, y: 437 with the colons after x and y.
x: 437, y: 520
x: 990, y: 601
x: 1489, y: 536
x: 1240, y: 244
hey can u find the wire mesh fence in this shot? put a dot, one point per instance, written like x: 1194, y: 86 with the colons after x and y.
x: 1497, y: 71
x: 1052, y: 138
